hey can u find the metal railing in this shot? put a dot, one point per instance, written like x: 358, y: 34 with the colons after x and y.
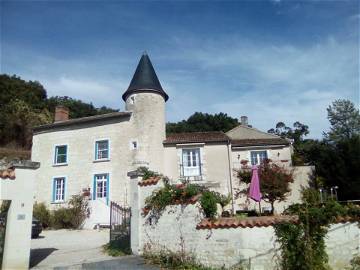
x: 194, y: 177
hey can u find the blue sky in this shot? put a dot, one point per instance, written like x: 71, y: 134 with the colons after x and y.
x: 270, y: 60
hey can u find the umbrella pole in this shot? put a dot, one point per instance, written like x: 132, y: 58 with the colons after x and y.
x: 259, y: 208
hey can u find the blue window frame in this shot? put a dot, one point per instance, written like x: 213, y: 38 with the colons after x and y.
x: 102, y: 149
x: 101, y: 187
x: 257, y: 157
x: 60, y: 154
x: 58, y: 193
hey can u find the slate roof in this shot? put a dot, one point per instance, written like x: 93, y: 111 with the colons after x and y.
x: 83, y: 120
x: 259, y: 142
x: 145, y: 79
x: 196, y: 137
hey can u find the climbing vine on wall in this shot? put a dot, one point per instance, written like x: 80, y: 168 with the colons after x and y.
x: 183, y: 193
x: 303, y: 244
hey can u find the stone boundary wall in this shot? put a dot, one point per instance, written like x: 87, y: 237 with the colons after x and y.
x: 255, y: 248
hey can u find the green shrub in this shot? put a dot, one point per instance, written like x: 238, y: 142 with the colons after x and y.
x: 146, y: 173
x: 70, y: 217
x: 191, y: 190
x: 62, y: 218
x: 355, y: 263
x: 42, y: 213
x: 303, y: 244
x: 208, y: 203
x: 118, y: 248
x: 79, y: 208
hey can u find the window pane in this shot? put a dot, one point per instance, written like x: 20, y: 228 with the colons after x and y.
x: 262, y: 156
x: 61, y: 150
x: 60, y: 154
x: 59, y: 189
x: 101, y: 188
x: 102, y: 149
x: 253, y: 158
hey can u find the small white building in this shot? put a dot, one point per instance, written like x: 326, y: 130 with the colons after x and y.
x: 96, y: 153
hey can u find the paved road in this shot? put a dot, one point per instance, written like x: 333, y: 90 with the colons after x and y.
x: 78, y: 249
x: 121, y: 263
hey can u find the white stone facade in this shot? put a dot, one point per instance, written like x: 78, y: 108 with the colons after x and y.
x: 254, y: 248
x: 136, y: 138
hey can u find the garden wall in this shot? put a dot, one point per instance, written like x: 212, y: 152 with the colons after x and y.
x: 253, y: 245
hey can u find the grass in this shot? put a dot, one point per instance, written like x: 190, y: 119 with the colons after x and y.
x: 117, y: 248
x: 178, y: 261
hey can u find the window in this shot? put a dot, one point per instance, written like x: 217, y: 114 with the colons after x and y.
x: 257, y: 157
x: 60, y: 154
x: 191, y: 162
x: 102, y: 149
x: 59, y: 189
x: 101, y: 182
x: 133, y: 145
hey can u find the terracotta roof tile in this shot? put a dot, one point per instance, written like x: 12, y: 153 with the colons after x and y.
x: 249, y: 222
x: 196, y: 137
x: 7, y: 174
x: 150, y: 181
x: 259, y: 142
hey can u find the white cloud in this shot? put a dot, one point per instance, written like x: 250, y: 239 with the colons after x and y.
x: 283, y: 83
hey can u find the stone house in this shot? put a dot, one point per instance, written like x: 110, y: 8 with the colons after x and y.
x: 96, y: 153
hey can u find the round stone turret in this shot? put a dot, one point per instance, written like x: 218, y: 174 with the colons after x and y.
x: 145, y: 98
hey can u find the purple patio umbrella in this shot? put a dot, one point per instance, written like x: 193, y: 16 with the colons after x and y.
x: 254, y: 191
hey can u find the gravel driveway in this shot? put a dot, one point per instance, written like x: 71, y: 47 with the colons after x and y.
x: 78, y: 249
x: 68, y: 247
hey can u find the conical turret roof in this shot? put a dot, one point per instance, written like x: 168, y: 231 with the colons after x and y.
x: 145, y: 80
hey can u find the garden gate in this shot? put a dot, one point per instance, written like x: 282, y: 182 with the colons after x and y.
x: 120, y: 224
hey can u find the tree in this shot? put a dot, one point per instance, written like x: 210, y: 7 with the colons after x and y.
x: 297, y: 133
x: 338, y: 164
x: 274, y: 182
x: 344, y: 119
x: 24, y: 104
x: 203, y: 122
x: 77, y: 107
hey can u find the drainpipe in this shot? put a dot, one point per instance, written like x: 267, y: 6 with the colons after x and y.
x: 230, y: 174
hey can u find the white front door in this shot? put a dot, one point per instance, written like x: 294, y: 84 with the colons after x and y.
x: 101, y: 187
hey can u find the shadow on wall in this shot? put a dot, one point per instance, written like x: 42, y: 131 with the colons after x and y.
x: 39, y: 254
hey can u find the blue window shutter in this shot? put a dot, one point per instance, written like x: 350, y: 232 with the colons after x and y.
x: 96, y: 150
x: 53, y: 190
x: 65, y: 188
x: 55, y: 155
x: 107, y: 189
x: 66, y: 155
x: 94, y: 188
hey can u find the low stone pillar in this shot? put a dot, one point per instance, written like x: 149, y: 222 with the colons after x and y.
x: 135, y: 231
x: 19, y: 218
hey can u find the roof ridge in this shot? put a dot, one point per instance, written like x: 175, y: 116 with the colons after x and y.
x: 252, y: 128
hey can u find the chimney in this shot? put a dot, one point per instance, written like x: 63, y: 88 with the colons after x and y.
x: 244, y: 120
x: 61, y: 113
